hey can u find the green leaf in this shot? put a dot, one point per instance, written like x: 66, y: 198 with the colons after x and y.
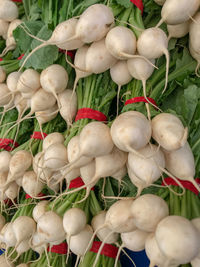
x: 124, y: 3
x: 22, y: 39
x: 44, y: 56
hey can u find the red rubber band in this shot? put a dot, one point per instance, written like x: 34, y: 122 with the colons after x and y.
x: 5, y: 144
x: 140, y: 99
x: 186, y: 184
x: 1, y: 59
x: 59, y: 249
x: 20, y: 57
x: 76, y: 183
x: 69, y: 53
x: 39, y: 195
x: 108, y: 249
x: 38, y: 135
x: 19, y: 1
x: 138, y: 4
x: 89, y: 113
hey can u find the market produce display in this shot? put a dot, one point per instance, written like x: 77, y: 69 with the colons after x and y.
x: 99, y: 132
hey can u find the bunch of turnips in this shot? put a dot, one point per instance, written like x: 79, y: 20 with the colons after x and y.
x: 112, y: 123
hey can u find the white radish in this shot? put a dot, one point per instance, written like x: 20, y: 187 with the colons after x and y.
x: 95, y: 140
x: 40, y: 209
x: 29, y: 81
x: 2, y: 75
x: 73, y: 150
x: 87, y: 172
x: 38, y: 166
x: 5, y: 158
x: 46, y: 115
x: 104, y: 166
x: 141, y: 70
x: 79, y: 242
x: 10, y: 40
x: 97, y: 222
x: 50, y: 227
x: 140, y: 184
x: 123, y: 223
x: 23, y: 228
x: 172, y: 13
x: 153, y: 43
x: 175, y: 229
x: 12, y: 80
x: 74, y: 221
x: 121, y: 42
x: 134, y: 240
x: 80, y: 62
x: 168, y: 131
x: 98, y: 58
x: 51, y: 139
x: 3, y: 28
x: 89, y: 29
x: 148, y: 206
x: 149, y: 167
x: 153, y: 251
x: 12, y: 191
x: 9, y: 235
x: 19, y: 181
x: 181, y: 164
x: 22, y: 247
x: 19, y: 163
x: 178, y: 30
x: 64, y: 31
x: 68, y: 105
x: 5, y: 95
x: 4, y: 262
x: 131, y: 131
x: 194, y: 32
x: 41, y: 101
x: 54, y: 79
x: 55, y: 156
x: 62, y: 37
x: 31, y: 185
x: 8, y: 11
x: 121, y: 76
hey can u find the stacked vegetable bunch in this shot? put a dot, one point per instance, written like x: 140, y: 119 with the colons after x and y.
x: 67, y: 133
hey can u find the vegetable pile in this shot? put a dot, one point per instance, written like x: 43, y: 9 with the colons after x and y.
x: 99, y: 132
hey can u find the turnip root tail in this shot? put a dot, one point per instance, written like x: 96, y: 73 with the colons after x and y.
x: 118, y: 92
x: 4, y: 52
x: 118, y: 254
x: 145, y: 96
x: 77, y: 260
x: 75, y: 67
x: 166, y: 53
x: 48, y: 262
x: 100, y: 249
x: 138, y: 56
x: 129, y: 24
x: 32, y: 52
x: 29, y: 34
x: 175, y: 179
x: 160, y: 22
x: 93, y: 236
x: 68, y: 248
